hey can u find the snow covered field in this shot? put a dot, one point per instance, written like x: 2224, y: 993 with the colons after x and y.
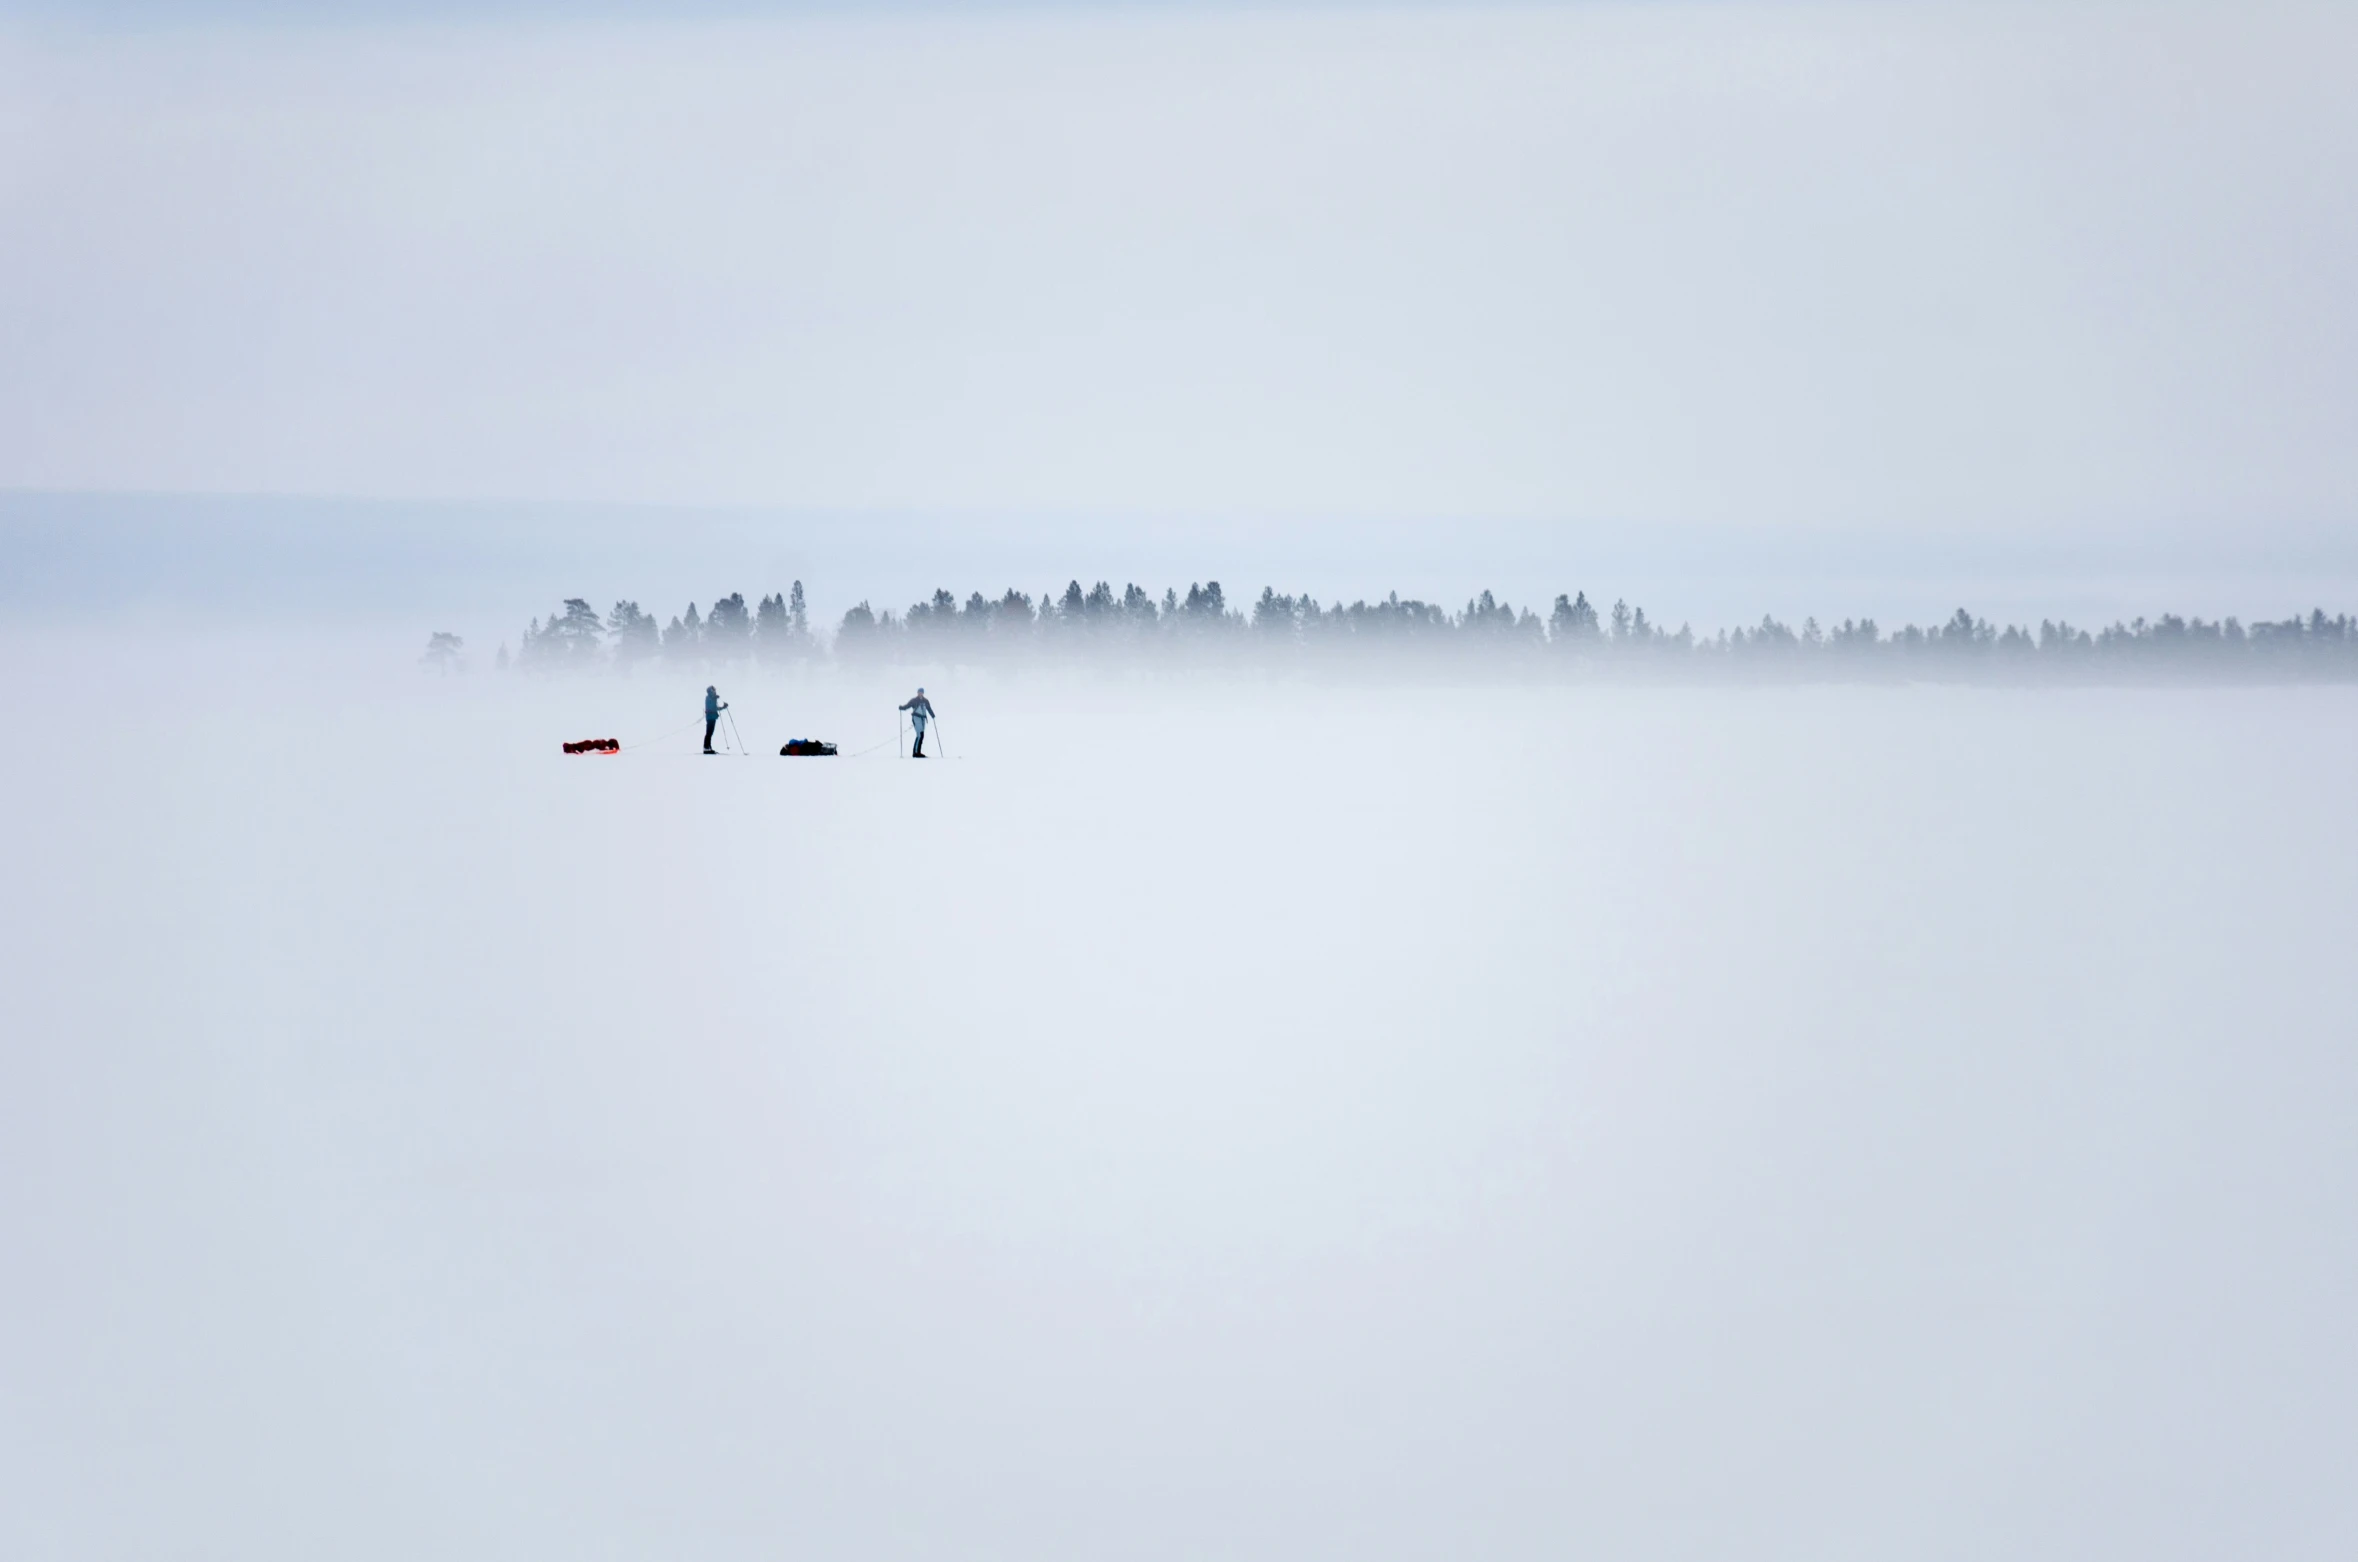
x: 1195, y: 1119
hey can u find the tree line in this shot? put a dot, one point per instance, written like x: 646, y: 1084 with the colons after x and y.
x: 1097, y: 624
x: 775, y: 630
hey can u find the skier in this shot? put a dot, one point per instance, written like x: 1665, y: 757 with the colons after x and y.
x: 920, y: 711
x: 713, y: 706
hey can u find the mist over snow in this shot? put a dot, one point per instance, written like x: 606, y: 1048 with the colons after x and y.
x: 1640, y: 841
x: 1201, y: 1114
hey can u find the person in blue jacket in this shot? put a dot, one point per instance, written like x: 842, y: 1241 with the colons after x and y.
x: 713, y: 706
x: 920, y: 711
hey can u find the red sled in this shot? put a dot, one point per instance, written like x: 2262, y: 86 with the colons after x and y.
x: 595, y: 746
x: 807, y: 746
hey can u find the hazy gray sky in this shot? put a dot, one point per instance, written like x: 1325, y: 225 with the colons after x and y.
x: 2014, y: 270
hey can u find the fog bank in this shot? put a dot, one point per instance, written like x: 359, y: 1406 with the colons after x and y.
x: 1190, y: 1118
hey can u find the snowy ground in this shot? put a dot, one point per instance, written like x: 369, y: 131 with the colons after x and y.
x: 1193, y: 1120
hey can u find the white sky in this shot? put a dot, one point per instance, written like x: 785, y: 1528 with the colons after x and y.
x: 2028, y: 272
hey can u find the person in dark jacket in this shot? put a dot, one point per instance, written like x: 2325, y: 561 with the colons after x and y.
x: 920, y: 711
x: 713, y: 706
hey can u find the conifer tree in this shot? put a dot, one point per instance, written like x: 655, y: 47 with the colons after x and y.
x: 770, y: 632
x: 636, y: 637
x: 683, y: 641
x: 728, y: 629
x: 1573, y: 624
